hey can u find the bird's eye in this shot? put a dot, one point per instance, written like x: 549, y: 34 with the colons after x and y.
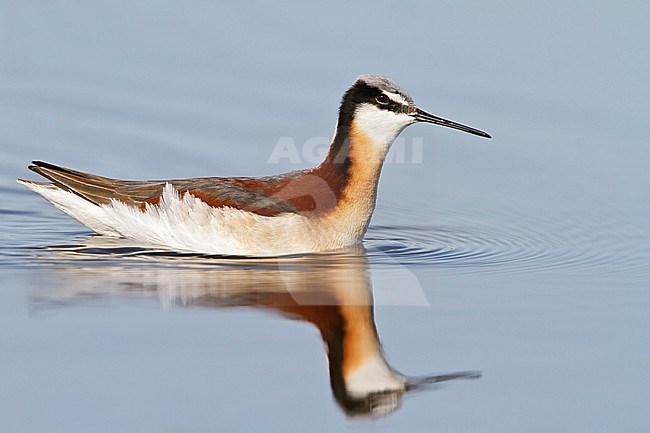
x: 382, y: 99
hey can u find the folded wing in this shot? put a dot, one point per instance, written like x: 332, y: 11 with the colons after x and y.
x: 253, y: 195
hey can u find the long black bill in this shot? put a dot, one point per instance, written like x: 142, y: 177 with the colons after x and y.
x: 423, y: 116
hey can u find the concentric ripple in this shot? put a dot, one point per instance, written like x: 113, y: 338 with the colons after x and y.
x: 448, y: 247
x: 488, y: 249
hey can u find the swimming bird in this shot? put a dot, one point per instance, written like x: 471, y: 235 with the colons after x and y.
x: 305, y: 211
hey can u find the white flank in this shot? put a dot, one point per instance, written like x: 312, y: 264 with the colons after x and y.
x: 381, y: 126
x: 185, y: 223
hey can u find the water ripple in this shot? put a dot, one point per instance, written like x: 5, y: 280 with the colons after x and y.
x: 489, y: 249
x: 463, y: 248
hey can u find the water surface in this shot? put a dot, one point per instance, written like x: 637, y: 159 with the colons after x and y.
x: 525, y: 258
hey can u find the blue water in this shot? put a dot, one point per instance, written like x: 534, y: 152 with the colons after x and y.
x: 526, y: 257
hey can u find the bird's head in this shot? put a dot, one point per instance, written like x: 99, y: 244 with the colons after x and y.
x: 376, y: 106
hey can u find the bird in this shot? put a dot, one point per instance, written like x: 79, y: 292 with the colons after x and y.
x: 318, y: 210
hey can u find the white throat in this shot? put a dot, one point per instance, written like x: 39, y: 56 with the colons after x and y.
x: 381, y: 126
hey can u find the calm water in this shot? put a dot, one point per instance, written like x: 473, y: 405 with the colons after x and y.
x: 525, y: 258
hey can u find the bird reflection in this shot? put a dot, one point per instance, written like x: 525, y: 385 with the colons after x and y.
x: 332, y: 292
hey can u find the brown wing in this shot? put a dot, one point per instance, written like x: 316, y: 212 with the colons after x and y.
x: 253, y: 195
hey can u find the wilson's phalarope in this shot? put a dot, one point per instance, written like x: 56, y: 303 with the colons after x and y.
x: 321, y: 209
